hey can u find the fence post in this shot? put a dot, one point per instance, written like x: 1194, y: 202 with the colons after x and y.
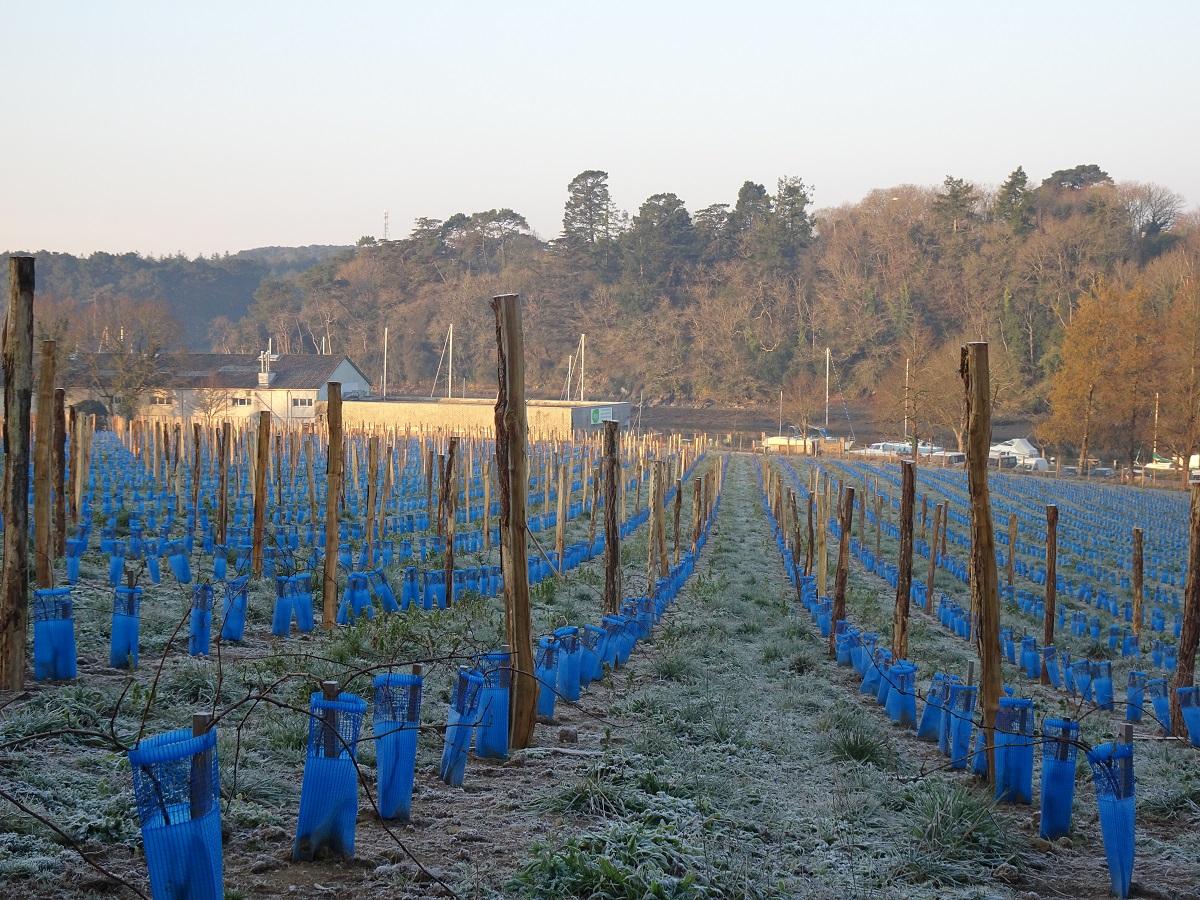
x: 43, y: 548
x: 18, y: 393
x: 984, y: 596
x: 333, y: 489
x: 904, y: 576
x: 1189, y: 636
x: 1048, y: 611
x: 512, y: 474
x: 845, y: 521
x: 262, y: 462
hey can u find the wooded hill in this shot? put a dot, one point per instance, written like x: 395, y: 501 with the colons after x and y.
x: 730, y: 303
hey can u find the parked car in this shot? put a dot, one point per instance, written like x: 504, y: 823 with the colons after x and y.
x: 1101, y: 472
x: 1069, y: 471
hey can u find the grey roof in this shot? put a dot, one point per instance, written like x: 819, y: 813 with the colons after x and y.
x: 232, y: 371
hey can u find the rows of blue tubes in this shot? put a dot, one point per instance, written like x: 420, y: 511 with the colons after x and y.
x: 181, y: 831
x: 948, y: 718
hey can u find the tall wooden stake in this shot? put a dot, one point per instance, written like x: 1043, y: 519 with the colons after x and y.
x: 931, y: 581
x: 904, y: 576
x: 43, y: 541
x: 1189, y: 636
x: 1051, y: 585
x: 58, y: 465
x: 612, y: 533
x: 449, y: 495
x: 846, y: 521
x: 512, y: 475
x: 1012, y: 547
x: 18, y: 394
x: 1138, y: 570
x: 984, y: 594
x: 263, y: 458
x: 333, y: 485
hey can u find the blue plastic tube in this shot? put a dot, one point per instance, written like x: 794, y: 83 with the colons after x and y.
x: 233, y: 625
x: 396, y: 724
x: 1135, y: 696
x: 54, y: 657
x: 569, y: 657
x: 491, y: 735
x: 281, y: 616
x: 1112, y: 774
x: 1189, y: 708
x: 1059, y: 750
x: 123, y: 647
x: 901, y: 703
x: 546, y: 671
x: 961, y: 711
x: 1014, y: 750
x: 200, y: 630
x: 177, y: 788
x: 461, y: 720
x: 329, y: 792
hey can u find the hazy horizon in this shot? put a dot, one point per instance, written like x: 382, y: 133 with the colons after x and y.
x: 217, y: 129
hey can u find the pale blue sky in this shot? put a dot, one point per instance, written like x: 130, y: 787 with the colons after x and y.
x: 210, y: 126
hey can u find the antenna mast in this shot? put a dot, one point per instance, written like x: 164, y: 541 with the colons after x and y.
x: 450, y: 371
x: 826, y: 387
x: 385, y: 225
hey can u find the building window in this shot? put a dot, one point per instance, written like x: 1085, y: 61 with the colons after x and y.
x: 240, y: 401
x: 302, y: 401
x: 160, y: 400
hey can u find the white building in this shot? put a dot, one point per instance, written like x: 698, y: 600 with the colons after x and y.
x: 215, y: 386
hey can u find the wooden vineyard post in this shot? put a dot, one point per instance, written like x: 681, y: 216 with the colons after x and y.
x: 333, y: 488
x: 487, y: 506
x: 18, y: 394
x: 560, y: 517
x: 810, y: 544
x: 697, y: 505
x: 904, y: 576
x: 512, y: 476
x: 441, y: 499
x: 1189, y: 636
x: 223, y: 482
x: 262, y: 461
x: 862, y: 517
x: 660, y: 518
x: 984, y: 595
x: 58, y: 465
x: 933, y: 559
x: 372, y: 496
x: 43, y: 437
x: 449, y: 495
x: 678, y: 508
x: 1137, y: 578
x: 823, y: 541
x: 611, y: 467
x: 795, y: 537
x: 200, y: 781
x: 652, y: 534
x: 1012, y: 548
x: 196, y: 470
x: 428, y: 460
x: 878, y: 520
x: 1051, y: 585
x: 924, y: 514
x: 846, y: 520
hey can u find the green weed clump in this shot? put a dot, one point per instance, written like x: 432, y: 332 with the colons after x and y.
x: 956, y: 835
x: 627, y: 861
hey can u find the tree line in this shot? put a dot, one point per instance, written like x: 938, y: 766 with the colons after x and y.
x: 731, y: 303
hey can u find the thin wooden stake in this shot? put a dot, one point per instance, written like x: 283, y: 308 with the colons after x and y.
x: 904, y: 575
x: 846, y: 520
x: 1189, y: 636
x: 1048, y: 612
x: 512, y: 473
x: 985, y: 598
x: 612, y: 534
x: 14, y: 505
x: 260, y: 492
x: 43, y: 541
x: 333, y: 485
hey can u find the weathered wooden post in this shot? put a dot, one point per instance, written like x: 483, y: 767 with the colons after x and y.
x: 333, y: 489
x: 18, y: 394
x: 562, y: 508
x: 1137, y: 578
x: 372, y: 496
x: 845, y: 521
x: 450, y: 495
x: 487, y: 505
x: 1012, y: 547
x: 512, y: 475
x: 933, y: 558
x: 262, y: 461
x: 985, y: 598
x: 58, y: 465
x: 223, y: 449
x: 1048, y: 612
x: 1189, y: 636
x: 43, y: 540
x: 904, y: 576
x: 612, y: 533
x: 678, y: 508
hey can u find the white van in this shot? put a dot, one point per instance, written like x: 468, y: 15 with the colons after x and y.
x: 1035, y: 464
